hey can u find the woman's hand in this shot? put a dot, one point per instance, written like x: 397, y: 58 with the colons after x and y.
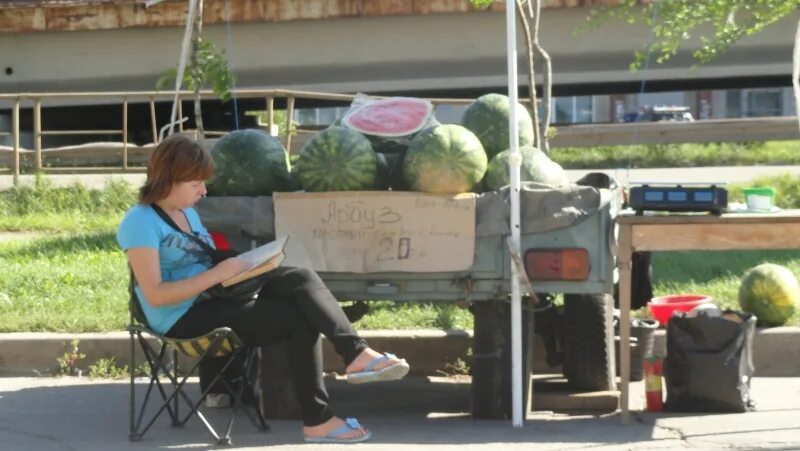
x: 228, y: 268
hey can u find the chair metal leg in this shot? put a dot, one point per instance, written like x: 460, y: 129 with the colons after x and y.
x: 175, y: 370
x: 133, y: 435
x: 171, y: 399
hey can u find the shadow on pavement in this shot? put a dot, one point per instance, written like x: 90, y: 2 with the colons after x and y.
x: 68, y: 413
x: 44, y: 414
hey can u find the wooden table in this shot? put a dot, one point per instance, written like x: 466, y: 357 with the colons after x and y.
x: 691, y: 232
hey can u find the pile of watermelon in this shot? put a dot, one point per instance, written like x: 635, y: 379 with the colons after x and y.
x: 393, y: 143
x: 249, y: 163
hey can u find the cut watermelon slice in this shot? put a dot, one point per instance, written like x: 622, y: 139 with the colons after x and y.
x: 391, y: 117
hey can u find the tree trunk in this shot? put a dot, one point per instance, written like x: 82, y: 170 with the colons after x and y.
x: 531, y: 73
x: 197, y: 75
x: 535, y: 12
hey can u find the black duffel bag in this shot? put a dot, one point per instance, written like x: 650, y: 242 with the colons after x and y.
x: 709, y: 362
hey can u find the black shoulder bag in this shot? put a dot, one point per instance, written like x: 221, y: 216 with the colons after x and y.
x: 244, y: 290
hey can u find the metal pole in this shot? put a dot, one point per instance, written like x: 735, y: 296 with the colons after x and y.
x: 271, y: 115
x: 15, y: 138
x: 125, y: 134
x: 37, y: 132
x: 514, y: 163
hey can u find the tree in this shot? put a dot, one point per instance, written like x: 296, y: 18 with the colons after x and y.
x: 674, y: 21
x: 529, y: 12
x: 207, y: 67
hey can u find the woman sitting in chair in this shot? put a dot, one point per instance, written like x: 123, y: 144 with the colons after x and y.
x: 171, y: 270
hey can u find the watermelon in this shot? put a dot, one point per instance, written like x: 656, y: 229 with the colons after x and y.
x: 249, y: 162
x: 487, y: 117
x: 390, y: 124
x: 337, y: 159
x: 536, y: 167
x: 770, y: 292
x: 445, y: 159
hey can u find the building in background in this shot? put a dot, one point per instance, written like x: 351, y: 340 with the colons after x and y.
x: 434, y: 48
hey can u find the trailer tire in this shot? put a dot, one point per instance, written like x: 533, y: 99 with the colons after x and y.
x: 491, y: 364
x: 588, y: 341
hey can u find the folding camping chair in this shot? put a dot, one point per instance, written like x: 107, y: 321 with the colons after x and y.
x: 219, y: 342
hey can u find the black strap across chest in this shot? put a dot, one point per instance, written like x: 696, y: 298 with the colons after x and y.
x: 213, y: 253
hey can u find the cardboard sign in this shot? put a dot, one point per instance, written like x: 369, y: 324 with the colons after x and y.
x: 365, y: 232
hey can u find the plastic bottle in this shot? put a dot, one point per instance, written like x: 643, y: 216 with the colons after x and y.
x: 653, y: 369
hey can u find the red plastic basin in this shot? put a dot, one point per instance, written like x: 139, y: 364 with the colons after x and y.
x: 662, y: 307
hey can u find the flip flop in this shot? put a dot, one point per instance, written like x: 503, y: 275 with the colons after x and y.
x: 350, y: 424
x: 390, y: 373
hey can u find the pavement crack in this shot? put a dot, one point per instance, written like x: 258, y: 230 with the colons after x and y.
x: 674, y: 430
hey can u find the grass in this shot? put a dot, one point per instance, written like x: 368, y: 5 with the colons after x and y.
x: 678, y: 155
x: 415, y: 315
x: 69, y: 283
x: 74, y: 209
x: 74, y: 279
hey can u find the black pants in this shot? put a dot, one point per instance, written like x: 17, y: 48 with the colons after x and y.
x: 294, y: 304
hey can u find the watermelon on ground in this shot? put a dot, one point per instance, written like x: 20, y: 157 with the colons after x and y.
x: 536, y: 167
x: 445, y: 159
x: 390, y: 124
x: 337, y: 159
x: 487, y: 117
x: 249, y: 162
x: 770, y: 292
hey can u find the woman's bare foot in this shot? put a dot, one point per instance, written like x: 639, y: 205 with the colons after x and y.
x: 366, y: 356
x: 321, y: 430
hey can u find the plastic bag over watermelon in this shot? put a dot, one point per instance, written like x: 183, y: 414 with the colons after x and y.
x: 391, y: 123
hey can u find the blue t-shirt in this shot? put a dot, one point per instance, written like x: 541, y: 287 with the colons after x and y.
x: 179, y: 257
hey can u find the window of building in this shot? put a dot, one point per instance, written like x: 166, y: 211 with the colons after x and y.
x: 762, y: 102
x: 575, y: 109
x: 318, y: 116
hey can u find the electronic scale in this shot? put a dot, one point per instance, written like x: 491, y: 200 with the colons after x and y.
x: 678, y: 196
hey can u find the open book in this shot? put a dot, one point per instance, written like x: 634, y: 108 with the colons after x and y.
x: 260, y: 260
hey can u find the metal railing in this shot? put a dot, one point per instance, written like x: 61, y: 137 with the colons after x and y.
x: 748, y: 129
x: 38, y: 102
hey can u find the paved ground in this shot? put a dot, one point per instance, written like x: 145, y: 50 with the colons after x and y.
x: 43, y: 414
x: 730, y: 174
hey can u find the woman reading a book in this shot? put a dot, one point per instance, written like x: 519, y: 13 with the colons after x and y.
x: 171, y: 270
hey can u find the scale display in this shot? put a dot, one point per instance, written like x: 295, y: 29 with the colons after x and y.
x: 678, y: 197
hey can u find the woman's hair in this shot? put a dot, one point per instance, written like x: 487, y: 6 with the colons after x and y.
x: 175, y: 159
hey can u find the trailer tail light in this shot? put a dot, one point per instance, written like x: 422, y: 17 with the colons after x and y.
x: 557, y: 264
x: 220, y: 242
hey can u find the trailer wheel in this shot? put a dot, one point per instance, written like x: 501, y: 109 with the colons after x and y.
x: 588, y: 341
x: 491, y: 364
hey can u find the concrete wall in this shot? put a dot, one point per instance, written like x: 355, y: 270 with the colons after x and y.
x: 465, y: 50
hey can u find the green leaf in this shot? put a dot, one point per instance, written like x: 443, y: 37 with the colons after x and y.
x: 481, y: 3
x: 211, y: 72
x: 675, y: 21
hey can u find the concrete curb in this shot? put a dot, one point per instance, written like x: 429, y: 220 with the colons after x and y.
x: 25, y: 354
x: 776, y: 350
